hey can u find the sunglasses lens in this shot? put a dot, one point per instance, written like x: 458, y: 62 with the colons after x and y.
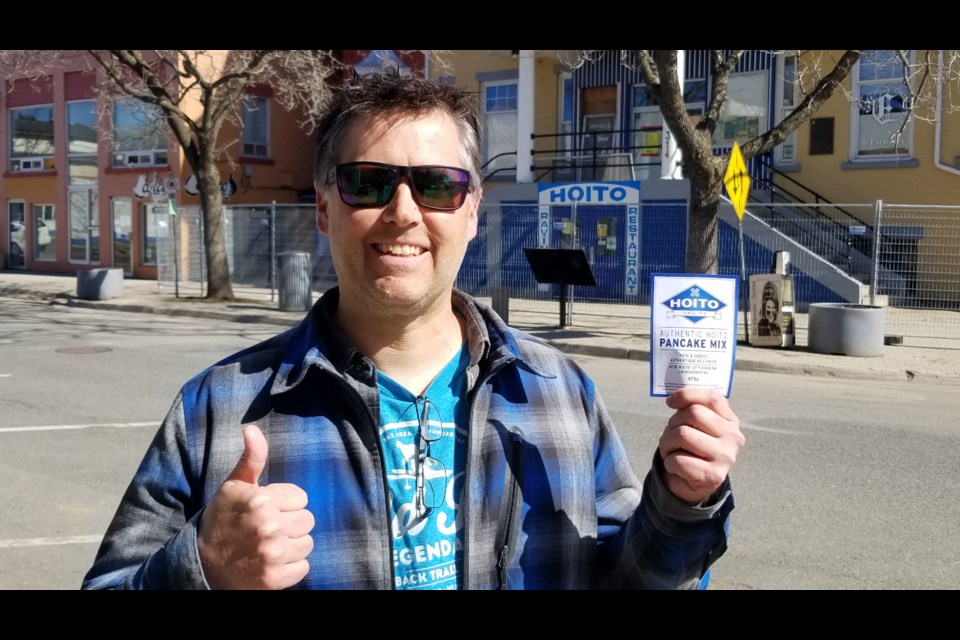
x: 441, y: 187
x: 373, y: 185
x: 366, y: 185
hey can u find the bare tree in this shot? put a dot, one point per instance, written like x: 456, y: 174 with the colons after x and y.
x: 819, y: 78
x: 217, y: 81
x: 197, y: 92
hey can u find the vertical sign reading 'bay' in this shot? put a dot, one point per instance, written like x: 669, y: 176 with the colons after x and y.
x: 620, y: 194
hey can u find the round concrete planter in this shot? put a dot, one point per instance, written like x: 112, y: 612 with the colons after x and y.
x: 99, y: 284
x: 845, y: 329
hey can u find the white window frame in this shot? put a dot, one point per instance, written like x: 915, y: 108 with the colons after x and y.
x: 565, y: 126
x: 488, y: 153
x: 762, y: 80
x: 857, y: 153
x: 136, y: 157
x: 72, y: 175
x: 43, y: 159
x: 648, y: 144
x: 787, y: 98
x: 259, y: 108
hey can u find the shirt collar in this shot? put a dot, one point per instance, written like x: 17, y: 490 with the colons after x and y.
x: 318, y: 341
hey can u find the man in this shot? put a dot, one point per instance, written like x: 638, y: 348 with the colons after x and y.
x: 402, y: 436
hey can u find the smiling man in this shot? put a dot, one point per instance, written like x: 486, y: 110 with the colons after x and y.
x: 402, y: 436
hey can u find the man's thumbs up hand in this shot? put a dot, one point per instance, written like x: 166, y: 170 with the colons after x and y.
x: 254, y: 537
x: 254, y: 457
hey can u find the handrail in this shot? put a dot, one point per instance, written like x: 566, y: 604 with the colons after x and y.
x: 785, y: 200
x: 595, y: 150
x: 817, y: 198
x: 496, y: 171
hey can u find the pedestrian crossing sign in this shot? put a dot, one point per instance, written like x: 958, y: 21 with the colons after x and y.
x: 737, y: 181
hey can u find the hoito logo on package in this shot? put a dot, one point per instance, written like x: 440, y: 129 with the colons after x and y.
x: 694, y: 303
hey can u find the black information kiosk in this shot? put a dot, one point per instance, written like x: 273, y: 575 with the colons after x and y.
x: 563, y: 267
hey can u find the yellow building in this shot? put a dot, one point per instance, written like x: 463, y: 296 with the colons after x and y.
x: 557, y: 116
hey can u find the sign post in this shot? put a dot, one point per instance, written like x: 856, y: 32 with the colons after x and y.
x: 737, y: 182
x: 172, y: 210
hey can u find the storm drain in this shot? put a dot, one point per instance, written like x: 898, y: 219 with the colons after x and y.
x: 83, y: 350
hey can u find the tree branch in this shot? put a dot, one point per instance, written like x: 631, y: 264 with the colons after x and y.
x: 821, y: 92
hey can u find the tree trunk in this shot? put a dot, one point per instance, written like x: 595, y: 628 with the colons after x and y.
x: 219, y: 285
x: 705, y: 187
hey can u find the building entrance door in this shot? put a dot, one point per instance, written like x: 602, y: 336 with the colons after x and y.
x: 17, y: 246
x: 121, y: 211
x: 84, y: 226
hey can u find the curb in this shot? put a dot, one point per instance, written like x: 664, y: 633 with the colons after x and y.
x: 244, y: 318
x: 267, y: 315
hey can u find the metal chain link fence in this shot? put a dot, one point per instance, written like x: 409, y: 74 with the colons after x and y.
x: 911, y: 252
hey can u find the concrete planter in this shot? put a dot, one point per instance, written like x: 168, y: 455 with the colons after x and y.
x: 845, y: 329
x: 99, y: 284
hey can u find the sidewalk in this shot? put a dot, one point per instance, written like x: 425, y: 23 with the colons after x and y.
x: 589, y: 334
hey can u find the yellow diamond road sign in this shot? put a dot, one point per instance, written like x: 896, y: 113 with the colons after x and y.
x: 737, y: 181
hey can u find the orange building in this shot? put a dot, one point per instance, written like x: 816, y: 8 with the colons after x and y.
x: 84, y: 178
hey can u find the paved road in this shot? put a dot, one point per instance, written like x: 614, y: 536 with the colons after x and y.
x: 842, y: 484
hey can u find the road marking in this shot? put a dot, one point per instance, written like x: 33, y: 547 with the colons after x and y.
x: 753, y: 427
x: 49, y: 542
x: 68, y: 427
x: 5, y: 375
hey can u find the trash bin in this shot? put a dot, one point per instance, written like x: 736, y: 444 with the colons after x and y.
x: 295, y: 287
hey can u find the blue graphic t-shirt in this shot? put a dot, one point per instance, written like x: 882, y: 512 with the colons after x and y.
x: 425, y: 481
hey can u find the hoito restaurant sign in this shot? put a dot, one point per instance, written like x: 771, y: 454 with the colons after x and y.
x: 620, y: 194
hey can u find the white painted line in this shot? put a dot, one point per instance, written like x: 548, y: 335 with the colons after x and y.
x: 752, y: 427
x: 5, y: 375
x: 68, y: 427
x: 49, y: 542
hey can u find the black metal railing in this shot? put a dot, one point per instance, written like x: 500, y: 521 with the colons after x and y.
x: 617, y: 154
x: 819, y: 225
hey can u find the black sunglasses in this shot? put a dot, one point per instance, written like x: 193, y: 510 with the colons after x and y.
x: 372, y: 184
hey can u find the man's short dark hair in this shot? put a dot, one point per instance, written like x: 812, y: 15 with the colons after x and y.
x: 390, y: 92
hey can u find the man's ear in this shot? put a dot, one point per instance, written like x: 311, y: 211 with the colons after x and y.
x: 473, y: 202
x: 323, y: 215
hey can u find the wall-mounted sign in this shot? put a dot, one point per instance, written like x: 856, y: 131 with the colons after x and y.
x: 154, y: 187
x: 227, y: 188
x: 616, y: 193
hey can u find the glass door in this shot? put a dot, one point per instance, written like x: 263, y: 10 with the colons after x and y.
x: 602, y: 238
x: 84, y: 226
x: 16, y: 250
x: 121, y: 215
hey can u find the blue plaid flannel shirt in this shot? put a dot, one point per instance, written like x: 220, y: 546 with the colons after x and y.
x: 550, y: 500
